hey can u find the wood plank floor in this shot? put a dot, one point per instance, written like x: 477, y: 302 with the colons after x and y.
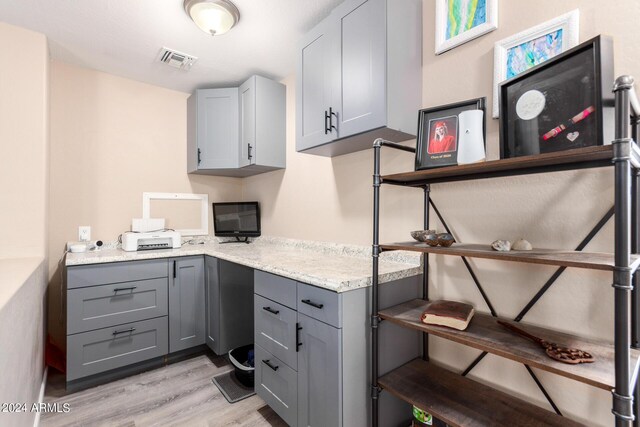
x: 180, y: 394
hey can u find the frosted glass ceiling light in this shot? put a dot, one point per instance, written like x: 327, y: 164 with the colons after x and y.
x: 214, y: 17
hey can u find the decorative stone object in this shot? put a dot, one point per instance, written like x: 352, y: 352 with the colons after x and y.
x: 445, y: 239
x: 421, y: 235
x: 521, y: 245
x: 501, y: 245
x: 432, y: 239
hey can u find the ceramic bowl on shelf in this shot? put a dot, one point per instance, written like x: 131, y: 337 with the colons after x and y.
x: 421, y: 235
x: 445, y: 239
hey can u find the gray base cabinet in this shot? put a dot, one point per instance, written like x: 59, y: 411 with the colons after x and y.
x: 319, y: 373
x: 326, y: 350
x: 186, y: 303
x: 359, y: 77
x: 229, y: 318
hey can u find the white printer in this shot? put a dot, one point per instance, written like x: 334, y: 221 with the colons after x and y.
x: 132, y: 241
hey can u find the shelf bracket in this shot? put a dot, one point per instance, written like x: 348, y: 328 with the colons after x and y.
x: 622, y: 278
x: 375, y: 321
x: 375, y: 392
x: 623, y: 407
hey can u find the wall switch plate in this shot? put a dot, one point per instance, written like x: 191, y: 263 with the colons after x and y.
x: 84, y: 233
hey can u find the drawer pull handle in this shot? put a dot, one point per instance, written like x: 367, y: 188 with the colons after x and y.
x: 312, y: 304
x: 116, y: 290
x: 271, y: 310
x: 115, y: 333
x: 266, y: 362
x: 298, y: 343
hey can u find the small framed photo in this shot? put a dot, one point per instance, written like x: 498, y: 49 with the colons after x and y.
x: 439, y: 133
x: 525, y: 50
x: 562, y: 104
x: 459, y: 21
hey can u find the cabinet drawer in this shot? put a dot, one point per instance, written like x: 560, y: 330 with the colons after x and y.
x: 99, y: 274
x: 320, y: 304
x: 276, y: 288
x: 98, y: 351
x: 275, y: 329
x: 277, y: 384
x: 108, y: 305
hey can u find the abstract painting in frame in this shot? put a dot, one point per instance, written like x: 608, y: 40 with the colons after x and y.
x: 458, y: 21
x: 531, y: 47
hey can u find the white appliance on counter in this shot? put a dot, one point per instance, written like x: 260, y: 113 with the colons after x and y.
x: 147, y: 241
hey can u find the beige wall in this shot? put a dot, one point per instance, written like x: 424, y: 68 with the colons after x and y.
x: 331, y: 200
x: 111, y: 140
x: 23, y: 142
x: 24, y: 83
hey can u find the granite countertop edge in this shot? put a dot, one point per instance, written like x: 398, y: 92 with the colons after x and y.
x: 398, y: 265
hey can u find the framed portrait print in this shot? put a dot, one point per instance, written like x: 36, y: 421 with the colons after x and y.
x: 459, y: 21
x: 565, y: 103
x: 525, y: 50
x: 439, y: 133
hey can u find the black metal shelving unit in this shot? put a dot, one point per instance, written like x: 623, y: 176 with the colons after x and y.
x: 406, y: 383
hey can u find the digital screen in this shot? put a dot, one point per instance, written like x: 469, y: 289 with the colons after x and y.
x: 236, y: 219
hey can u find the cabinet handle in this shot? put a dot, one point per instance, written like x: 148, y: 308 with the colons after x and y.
x: 199, y: 153
x: 123, y: 332
x: 266, y: 362
x: 124, y: 289
x: 174, y: 269
x: 311, y: 303
x: 249, y: 147
x: 327, y: 129
x: 331, y: 116
x: 270, y: 310
x: 298, y: 343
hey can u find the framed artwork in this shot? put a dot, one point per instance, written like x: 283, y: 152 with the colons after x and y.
x: 562, y: 104
x: 459, y: 21
x: 439, y: 133
x: 522, y: 51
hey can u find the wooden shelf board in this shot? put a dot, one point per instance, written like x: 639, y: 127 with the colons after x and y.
x: 578, y: 158
x: 589, y: 260
x: 459, y: 401
x: 484, y: 333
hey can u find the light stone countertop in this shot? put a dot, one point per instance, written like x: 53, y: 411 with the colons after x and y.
x: 331, y: 266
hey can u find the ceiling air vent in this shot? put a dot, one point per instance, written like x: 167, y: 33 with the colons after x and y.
x: 176, y: 59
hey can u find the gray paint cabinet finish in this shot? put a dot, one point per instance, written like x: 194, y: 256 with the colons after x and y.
x: 93, y: 275
x: 370, y: 54
x: 230, y: 305
x: 319, y: 374
x: 275, y: 329
x: 238, y: 131
x: 216, y: 129
x: 108, y: 305
x: 186, y: 303
x: 101, y: 350
x: 277, y: 384
x: 262, y: 123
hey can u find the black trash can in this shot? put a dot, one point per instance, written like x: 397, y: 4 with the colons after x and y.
x: 242, y: 360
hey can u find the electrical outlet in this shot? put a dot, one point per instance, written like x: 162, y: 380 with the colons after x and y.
x: 84, y: 233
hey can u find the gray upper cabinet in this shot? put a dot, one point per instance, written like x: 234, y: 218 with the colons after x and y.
x: 186, y: 303
x: 237, y: 131
x: 215, y: 127
x: 313, y: 92
x: 360, y: 77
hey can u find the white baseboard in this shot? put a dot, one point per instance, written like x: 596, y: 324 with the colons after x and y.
x: 43, y: 385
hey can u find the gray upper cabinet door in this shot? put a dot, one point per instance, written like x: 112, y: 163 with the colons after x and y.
x: 263, y: 123
x: 360, y: 73
x: 248, y: 122
x: 319, y: 374
x: 186, y: 303
x: 217, y: 128
x: 213, y: 303
x: 313, y: 87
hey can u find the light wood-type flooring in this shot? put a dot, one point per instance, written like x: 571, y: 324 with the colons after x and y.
x: 180, y: 394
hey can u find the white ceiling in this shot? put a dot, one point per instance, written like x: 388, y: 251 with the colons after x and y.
x: 124, y: 37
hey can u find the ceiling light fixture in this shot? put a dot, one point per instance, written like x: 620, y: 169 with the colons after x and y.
x: 214, y: 17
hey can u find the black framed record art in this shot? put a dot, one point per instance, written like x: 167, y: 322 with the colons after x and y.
x: 439, y: 133
x: 562, y: 104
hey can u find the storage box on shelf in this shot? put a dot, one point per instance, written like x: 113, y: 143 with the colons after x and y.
x: 460, y: 401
